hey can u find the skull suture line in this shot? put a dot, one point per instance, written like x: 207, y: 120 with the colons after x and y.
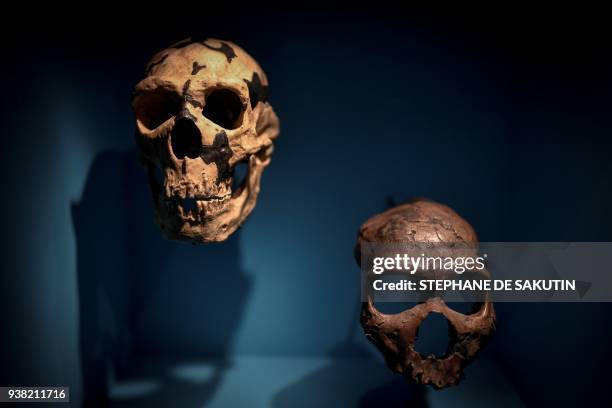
x: 429, y: 223
x: 200, y: 111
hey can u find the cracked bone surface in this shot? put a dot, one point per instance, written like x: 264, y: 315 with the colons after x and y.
x: 200, y: 111
x: 426, y: 222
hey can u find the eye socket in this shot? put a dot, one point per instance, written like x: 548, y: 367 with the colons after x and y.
x: 154, y: 107
x: 224, y: 107
x: 466, y: 308
x: 393, y: 307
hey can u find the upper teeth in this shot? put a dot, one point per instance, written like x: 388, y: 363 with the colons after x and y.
x: 203, y: 207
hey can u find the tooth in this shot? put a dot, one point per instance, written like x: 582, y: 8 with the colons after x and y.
x: 200, y: 206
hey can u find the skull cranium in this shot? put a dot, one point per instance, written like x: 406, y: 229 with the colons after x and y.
x: 430, y: 223
x: 200, y: 111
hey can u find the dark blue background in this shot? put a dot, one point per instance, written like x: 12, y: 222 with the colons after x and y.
x: 503, y: 116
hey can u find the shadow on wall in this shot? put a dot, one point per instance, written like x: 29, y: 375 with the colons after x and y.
x: 140, y: 294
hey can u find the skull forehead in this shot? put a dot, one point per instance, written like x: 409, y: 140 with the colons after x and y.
x: 420, y: 221
x: 207, y: 60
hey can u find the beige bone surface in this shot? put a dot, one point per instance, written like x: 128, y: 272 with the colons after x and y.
x: 200, y: 111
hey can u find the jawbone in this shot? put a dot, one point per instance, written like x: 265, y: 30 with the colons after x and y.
x: 215, y: 218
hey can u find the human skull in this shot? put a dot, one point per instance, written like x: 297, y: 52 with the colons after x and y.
x: 200, y: 111
x: 429, y: 223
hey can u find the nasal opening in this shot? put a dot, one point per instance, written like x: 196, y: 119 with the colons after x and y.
x: 186, y: 139
x: 433, y: 336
